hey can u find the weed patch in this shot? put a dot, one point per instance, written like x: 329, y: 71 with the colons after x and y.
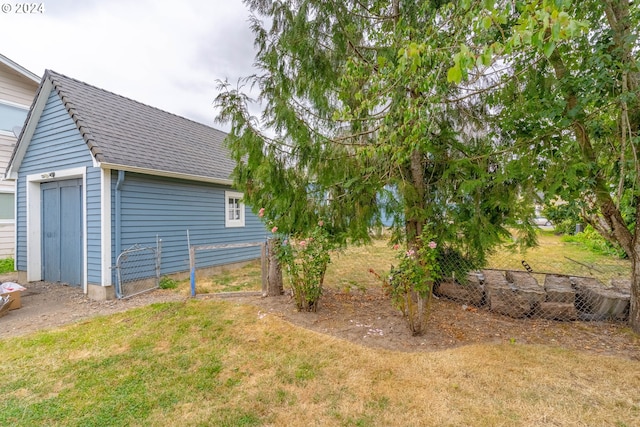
x: 6, y: 265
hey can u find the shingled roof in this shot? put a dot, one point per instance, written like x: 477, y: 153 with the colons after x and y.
x: 126, y: 134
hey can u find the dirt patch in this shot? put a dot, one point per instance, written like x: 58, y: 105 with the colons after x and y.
x: 366, y: 318
x: 369, y: 319
x: 50, y: 305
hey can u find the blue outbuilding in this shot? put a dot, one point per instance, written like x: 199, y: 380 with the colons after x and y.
x: 97, y: 173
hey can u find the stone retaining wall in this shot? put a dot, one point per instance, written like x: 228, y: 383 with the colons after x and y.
x: 518, y: 294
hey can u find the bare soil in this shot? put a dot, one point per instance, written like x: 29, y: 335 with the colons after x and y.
x: 366, y: 318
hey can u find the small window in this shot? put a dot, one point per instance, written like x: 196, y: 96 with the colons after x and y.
x: 6, y: 207
x: 12, y: 117
x: 234, y: 211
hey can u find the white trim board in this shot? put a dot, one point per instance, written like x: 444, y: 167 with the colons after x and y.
x: 34, y: 220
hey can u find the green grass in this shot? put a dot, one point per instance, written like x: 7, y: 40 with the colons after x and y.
x: 207, y: 362
x: 246, y: 278
x: 6, y: 265
x: 553, y: 255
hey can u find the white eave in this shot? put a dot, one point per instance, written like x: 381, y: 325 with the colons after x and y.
x: 19, y: 68
x: 168, y: 174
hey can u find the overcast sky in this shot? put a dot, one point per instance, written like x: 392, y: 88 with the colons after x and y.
x: 167, y: 54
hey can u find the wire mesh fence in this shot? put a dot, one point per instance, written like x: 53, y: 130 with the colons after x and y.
x: 545, y: 283
x: 138, y: 270
x: 551, y: 282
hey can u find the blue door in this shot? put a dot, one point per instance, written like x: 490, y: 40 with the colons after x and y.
x: 62, y: 231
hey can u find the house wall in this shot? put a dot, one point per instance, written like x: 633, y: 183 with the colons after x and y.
x: 57, y: 145
x: 7, y: 226
x: 7, y: 142
x: 165, y: 207
x: 16, y: 89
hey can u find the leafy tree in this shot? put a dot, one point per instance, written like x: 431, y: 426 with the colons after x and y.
x: 460, y: 108
x: 568, y: 101
x: 359, y: 118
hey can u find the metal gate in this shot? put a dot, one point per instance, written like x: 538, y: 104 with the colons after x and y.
x: 138, y: 270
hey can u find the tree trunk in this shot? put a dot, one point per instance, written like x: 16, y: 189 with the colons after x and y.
x: 634, y: 307
x: 274, y: 274
x: 611, y: 224
x: 415, y: 201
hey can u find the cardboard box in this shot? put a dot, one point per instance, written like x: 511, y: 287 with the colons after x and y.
x: 15, y: 300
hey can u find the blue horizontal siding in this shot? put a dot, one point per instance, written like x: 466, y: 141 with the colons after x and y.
x: 55, y: 145
x: 164, y: 207
x: 94, y: 236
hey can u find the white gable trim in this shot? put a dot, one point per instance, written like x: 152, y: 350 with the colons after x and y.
x: 19, y: 68
x: 29, y: 129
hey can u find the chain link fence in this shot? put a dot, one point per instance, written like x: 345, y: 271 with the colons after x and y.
x: 138, y: 270
x: 554, y: 287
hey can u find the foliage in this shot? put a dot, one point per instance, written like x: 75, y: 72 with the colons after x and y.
x: 454, y: 264
x: 594, y: 241
x: 411, y: 284
x: 459, y: 111
x: 358, y: 119
x: 565, y: 90
x: 564, y: 216
x: 6, y: 265
x: 167, y: 282
x: 305, y: 260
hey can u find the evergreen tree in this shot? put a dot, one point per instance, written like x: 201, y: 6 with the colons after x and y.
x: 360, y: 119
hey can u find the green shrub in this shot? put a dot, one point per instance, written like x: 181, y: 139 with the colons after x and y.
x: 6, y: 265
x: 593, y: 241
x: 564, y: 217
x: 305, y: 260
x: 453, y: 264
x: 168, y: 283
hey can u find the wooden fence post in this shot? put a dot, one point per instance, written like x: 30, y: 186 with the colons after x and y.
x: 265, y: 274
x: 274, y: 276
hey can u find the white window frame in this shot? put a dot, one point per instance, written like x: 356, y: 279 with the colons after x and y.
x: 233, y: 222
x: 12, y: 220
x: 14, y: 105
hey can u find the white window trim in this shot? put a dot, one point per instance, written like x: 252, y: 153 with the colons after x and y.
x: 14, y: 105
x: 9, y: 221
x: 229, y: 223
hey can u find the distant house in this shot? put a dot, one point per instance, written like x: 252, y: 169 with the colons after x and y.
x: 17, y: 88
x: 97, y: 173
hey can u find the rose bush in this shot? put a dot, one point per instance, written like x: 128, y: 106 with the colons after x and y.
x: 305, y: 260
x: 410, y: 284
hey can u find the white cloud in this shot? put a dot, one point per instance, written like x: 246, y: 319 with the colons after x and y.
x: 166, y: 54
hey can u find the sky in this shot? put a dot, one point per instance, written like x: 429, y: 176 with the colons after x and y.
x: 167, y: 54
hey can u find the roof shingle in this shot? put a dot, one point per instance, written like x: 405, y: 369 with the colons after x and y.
x: 124, y: 132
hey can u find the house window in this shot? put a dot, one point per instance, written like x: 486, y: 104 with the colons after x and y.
x: 11, y: 117
x: 7, y: 207
x: 234, y: 213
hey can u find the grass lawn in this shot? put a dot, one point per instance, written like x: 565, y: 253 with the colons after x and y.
x: 555, y: 256
x: 209, y: 362
x: 216, y: 363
